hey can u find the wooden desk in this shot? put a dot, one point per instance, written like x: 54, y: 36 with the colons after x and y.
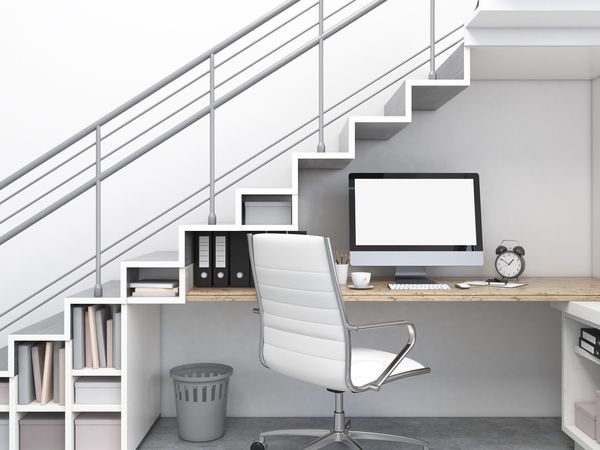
x: 537, y: 289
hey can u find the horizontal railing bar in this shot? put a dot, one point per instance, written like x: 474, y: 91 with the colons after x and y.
x: 159, y: 102
x: 195, y: 100
x: 189, y: 121
x: 256, y: 41
x: 58, y: 166
x: 228, y: 186
x: 146, y: 93
x: 279, y: 47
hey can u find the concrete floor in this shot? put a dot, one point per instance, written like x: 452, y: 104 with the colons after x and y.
x: 442, y: 433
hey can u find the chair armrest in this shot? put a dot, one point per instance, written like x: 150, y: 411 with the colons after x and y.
x: 387, y: 372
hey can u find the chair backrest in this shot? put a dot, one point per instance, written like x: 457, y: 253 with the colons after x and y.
x: 303, y: 318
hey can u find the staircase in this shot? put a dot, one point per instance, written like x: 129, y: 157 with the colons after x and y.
x: 140, y: 403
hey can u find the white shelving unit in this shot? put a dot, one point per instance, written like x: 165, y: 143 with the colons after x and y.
x: 580, y: 370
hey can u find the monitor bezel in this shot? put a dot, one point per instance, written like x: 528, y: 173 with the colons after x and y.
x: 439, y: 248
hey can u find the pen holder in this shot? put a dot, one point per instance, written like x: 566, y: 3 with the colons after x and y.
x: 341, y: 271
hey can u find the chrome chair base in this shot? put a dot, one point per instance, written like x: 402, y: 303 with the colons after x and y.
x: 341, y: 432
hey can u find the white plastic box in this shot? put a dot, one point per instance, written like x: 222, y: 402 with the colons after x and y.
x: 98, y: 391
x: 267, y: 213
x: 42, y: 431
x: 585, y: 418
x: 98, y: 431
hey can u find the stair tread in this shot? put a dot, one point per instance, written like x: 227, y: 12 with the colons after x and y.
x: 53, y: 325
x: 378, y: 130
x: 110, y: 289
x: 166, y: 256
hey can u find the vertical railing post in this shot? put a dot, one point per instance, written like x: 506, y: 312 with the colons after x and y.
x: 98, y: 285
x: 212, y: 218
x: 432, y: 74
x: 321, y: 144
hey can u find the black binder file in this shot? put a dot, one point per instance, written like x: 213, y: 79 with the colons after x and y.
x: 220, y: 260
x: 239, y: 260
x: 203, y: 260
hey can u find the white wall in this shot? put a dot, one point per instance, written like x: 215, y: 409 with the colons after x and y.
x: 530, y: 142
x: 66, y: 63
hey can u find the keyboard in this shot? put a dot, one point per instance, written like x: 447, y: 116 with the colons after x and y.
x: 418, y: 287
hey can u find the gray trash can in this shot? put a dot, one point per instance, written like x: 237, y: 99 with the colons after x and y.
x: 201, y: 400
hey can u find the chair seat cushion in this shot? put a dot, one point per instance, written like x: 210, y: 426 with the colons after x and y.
x: 367, y: 365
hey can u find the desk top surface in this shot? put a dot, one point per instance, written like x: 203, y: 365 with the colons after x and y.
x: 537, y: 289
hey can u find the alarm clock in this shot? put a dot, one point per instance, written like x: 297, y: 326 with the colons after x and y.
x: 510, y: 261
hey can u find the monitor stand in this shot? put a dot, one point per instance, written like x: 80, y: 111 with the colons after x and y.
x: 412, y: 275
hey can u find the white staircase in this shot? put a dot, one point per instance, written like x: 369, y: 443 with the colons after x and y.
x: 140, y: 361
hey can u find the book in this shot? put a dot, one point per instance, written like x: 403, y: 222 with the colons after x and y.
x: 47, y: 383
x: 78, y: 324
x: 61, y: 376
x: 101, y: 319
x: 160, y: 284
x: 93, y: 336
x: 26, y: 391
x: 37, y: 363
x: 55, y: 372
x: 88, y: 341
x: 109, y: 344
x: 155, y: 292
x: 117, y: 340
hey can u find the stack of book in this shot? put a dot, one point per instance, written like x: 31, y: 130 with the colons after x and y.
x: 589, y: 340
x: 154, y: 288
x: 41, y: 369
x: 96, y: 336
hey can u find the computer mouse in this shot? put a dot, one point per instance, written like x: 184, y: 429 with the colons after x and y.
x: 463, y: 285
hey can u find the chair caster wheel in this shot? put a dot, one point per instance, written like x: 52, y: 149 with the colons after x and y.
x: 258, y: 445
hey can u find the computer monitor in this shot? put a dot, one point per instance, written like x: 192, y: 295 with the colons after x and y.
x: 415, y: 220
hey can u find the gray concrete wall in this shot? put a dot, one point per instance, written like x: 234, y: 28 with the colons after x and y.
x: 530, y: 142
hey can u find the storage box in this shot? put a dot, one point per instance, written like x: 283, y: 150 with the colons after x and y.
x: 267, y: 213
x: 98, y: 391
x: 592, y: 335
x: 3, y: 431
x: 98, y: 431
x: 585, y: 418
x: 4, y: 392
x: 42, y: 431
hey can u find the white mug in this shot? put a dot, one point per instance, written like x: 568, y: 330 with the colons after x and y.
x: 361, y: 279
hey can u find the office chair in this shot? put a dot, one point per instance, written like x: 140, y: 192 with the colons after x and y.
x: 305, y: 333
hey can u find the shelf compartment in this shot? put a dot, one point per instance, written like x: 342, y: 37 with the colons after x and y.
x: 104, y: 314
x: 267, y: 209
x: 150, y: 274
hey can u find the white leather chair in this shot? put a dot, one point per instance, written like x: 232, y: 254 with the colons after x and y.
x: 305, y: 333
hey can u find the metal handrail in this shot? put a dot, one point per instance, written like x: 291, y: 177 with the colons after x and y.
x: 147, y: 93
x: 218, y: 102
x: 214, y: 103
x: 164, y: 119
x: 229, y: 185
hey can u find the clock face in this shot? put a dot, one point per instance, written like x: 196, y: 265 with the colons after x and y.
x: 509, y: 264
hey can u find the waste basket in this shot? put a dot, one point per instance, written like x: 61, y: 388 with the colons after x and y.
x: 201, y: 400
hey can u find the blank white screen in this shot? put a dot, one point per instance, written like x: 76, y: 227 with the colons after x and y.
x: 415, y: 211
